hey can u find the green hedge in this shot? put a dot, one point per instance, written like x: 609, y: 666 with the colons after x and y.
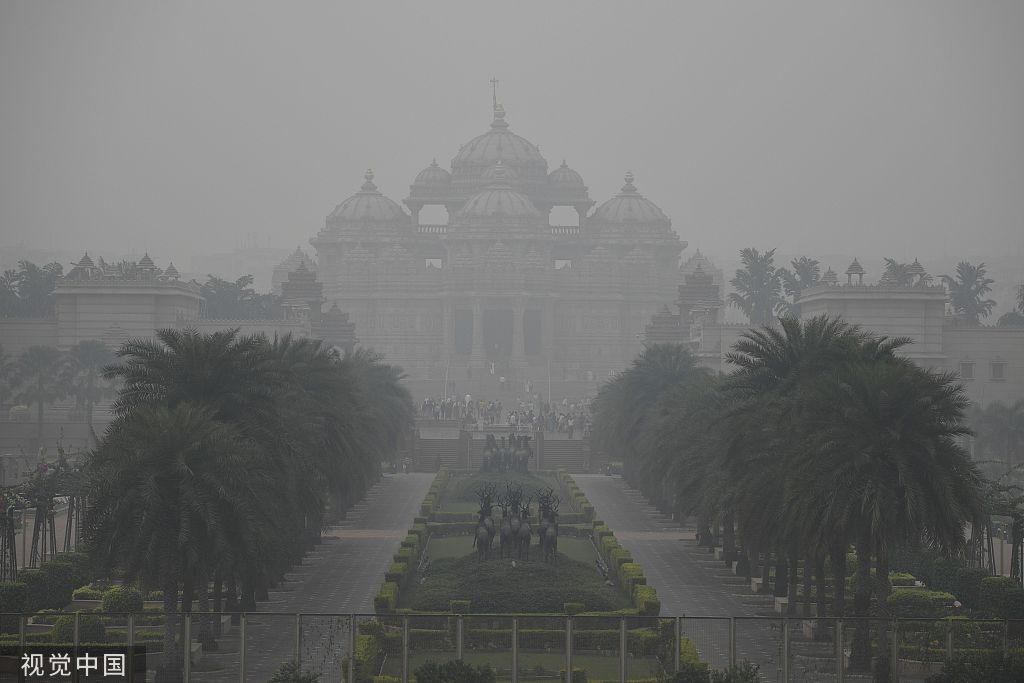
x: 13, y: 595
x: 387, y: 599
x: 397, y: 573
x: 1000, y: 596
x: 909, y: 602
x: 122, y: 599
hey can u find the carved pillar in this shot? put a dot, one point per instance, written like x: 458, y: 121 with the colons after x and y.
x: 476, y: 357
x: 518, y: 351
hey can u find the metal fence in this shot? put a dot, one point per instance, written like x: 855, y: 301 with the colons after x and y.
x: 521, y: 648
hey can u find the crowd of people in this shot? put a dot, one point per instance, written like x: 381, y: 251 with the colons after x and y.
x: 571, y: 418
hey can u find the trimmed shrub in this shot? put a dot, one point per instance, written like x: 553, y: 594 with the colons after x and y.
x: 292, y: 672
x: 969, y: 589
x: 744, y: 672
x: 122, y: 599
x: 909, y: 602
x: 901, y: 579
x: 989, y: 667
x: 396, y: 572
x: 387, y: 599
x: 453, y: 671
x: 459, y: 606
x: 646, y: 600
x: 87, y: 593
x: 90, y: 629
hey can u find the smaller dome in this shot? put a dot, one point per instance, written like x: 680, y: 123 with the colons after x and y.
x: 916, y: 268
x: 433, y: 175
x: 830, y: 277
x: 368, y: 205
x: 171, y: 273
x: 565, y: 176
x: 855, y: 268
x: 146, y: 262
x: 499, y: 200
x: 629, y: 206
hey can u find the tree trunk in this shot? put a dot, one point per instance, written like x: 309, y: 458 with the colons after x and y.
x: 704, y: 531
x: 819, y: 594
x: 231, y: 604
x: 808, y: 583
x: 793, y: 568
x: 838, y: 580
x: 170, y: 668
x: 884, y: 669
x: 205, y: 635
x: 728, y: 538
x: 39, y: 421
x: 860, y: 648
x: 248, y: 601
x: 766, y: 572
x: 781, y: 587
x: 218, y: 587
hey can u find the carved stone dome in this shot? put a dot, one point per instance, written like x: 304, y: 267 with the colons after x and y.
x: 565, y: 177
x: 629, y: 206
x: 368, y: 205
x: 497, y: 144
x: 433, y: 175
x: 499, y: 201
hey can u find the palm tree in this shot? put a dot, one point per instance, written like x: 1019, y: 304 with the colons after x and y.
x: 886, y: 450
x: 82, y: 373
x: 168, y: 488
x: 966, y: 291
x: 758, y: 286
x: 37, y: 374
x: 806, y: 273
x: 622, y: 405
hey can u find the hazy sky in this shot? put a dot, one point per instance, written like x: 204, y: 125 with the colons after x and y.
x: 818, y: 127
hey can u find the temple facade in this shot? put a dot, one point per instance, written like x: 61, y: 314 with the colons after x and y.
x: 497, y: 290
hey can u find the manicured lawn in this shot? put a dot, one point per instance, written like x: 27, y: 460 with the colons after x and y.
x: 579, y: 549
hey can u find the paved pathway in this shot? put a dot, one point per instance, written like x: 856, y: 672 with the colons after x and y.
x: 340, y: 577
x: 690, y: 582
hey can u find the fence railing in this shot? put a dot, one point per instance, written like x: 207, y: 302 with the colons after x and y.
x: 521, y: 648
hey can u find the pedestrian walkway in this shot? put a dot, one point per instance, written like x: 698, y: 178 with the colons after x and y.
x: 339, y: 577
x: 690, y: 581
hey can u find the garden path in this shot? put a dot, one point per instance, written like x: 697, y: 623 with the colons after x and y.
x: 689, y: 581
x: 340, y: 576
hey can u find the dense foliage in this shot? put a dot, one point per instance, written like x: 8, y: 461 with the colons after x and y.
x: 532, y: 586
x: 822, y: 439
x: 226, y: 456
x: 25, y: 292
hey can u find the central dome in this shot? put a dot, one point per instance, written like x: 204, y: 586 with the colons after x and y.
x: 498, y: 144
x: 499, y: 201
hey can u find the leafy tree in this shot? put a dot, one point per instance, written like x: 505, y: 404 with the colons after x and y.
x: 1015, y: 317
x: 758, y: 286
x: 966, y: 290
x: 806, y: 273
x: 37, y: 376
x: 315, y: 426
x: 82, y: 374
x: 25, y: 293
x: 897, y: 273
x: 237, y: 300
x: 167, y: 487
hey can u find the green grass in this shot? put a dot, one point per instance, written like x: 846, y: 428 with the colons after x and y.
x: 496, y: 586
x: 578, y: 549
x: 535, y: 666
